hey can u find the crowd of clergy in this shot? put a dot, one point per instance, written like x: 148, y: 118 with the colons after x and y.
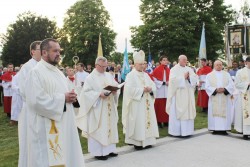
x: 51, y: 103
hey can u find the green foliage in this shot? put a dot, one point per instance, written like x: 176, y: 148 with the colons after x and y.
x: 82, y: 25
x: 174, y: 27
x: 22, y: 33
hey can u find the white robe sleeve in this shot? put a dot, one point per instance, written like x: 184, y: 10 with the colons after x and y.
x: 230, y: 86
x: 209, y: 89
x: 134, y: 93
x: 158, y: 83
x: 193, y: 78
x: 49, y: 106
x: 15, y: 87
x: 6, y: 85
x: 239, y: 84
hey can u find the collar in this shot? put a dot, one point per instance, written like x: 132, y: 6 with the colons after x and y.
x: 49, y: 66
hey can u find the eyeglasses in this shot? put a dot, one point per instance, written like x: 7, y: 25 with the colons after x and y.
x: 101, y: 66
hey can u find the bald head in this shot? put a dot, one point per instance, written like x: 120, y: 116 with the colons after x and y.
x: 182, y: 60
x: 218, y: 65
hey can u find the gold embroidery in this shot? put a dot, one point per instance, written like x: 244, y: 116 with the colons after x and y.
x: 109, y: 117
x: 55, y: 147
x: 148, y: 113
x: 245, y: 111
x: 219, y: 112
x: 53, y: 129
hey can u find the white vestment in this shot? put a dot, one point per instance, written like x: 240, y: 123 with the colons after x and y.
x: 7, y: 90
x: 16, y: 102
x: 22, y: 119
x: 98, y: 117
x: 72, y: 86
x: 80, y: 78
x: 242, y: 106
x: 181, y: 101
x: 161, y: 90
x: 52, y: 132
x: 219, y: 105
x: 138, y: 114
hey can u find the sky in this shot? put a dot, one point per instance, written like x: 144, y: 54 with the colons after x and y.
x: 123, y: 13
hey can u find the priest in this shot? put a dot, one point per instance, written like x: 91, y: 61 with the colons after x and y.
x: 242, y: 106
x: 181, y: 100
x: 17, y: 102
x: 22, y: 118
x: 98, y: 116
x: 52, y: 133
x: 161, y: 77
x: 219, y: 87
x: 138, y: 114
x: 202, y: 100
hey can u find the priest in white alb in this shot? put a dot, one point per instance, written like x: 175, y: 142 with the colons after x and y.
x: 181, y: 100
x: 16, y: 102
x: 242, y: 106
x: 53, y: 139
x: 98, y: 116
x: 138, y: 113
x: 219, y: 87
x: 22, y: 118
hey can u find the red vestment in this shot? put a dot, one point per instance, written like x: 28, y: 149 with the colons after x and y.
x: 7, y: 77
x: 160, y: 103
x: 202, y: 100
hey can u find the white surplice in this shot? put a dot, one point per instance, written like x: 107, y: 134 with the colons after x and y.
x: 241, y: 83
x: 22, y: 119
x: 161, y: 90
x: 181, y: 101
x: 80, y: 78
x: 98, y: 117
x: 16, y: 102
x: 138, y: 114
x: 49, y: 116
x: 72, y: 86
x: 220, y: 105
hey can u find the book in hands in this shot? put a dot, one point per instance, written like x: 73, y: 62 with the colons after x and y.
x: 114, y: 88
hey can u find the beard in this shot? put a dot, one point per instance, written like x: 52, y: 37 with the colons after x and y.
x: 54, y: 61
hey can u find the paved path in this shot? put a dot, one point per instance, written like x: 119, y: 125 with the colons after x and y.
x: 201, y: 150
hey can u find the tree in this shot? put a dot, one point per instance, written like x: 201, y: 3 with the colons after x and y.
x: 22, y: 33
x: 82, y: 25
x: 174, y: 27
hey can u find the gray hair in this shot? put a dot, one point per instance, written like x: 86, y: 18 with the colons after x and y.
x: 98, y: 59
x: 182, y: 56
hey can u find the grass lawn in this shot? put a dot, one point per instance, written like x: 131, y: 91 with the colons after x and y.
x: 9, y: 137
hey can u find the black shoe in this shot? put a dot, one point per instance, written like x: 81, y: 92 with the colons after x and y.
x: 160, y: 125
x: 245, y: 137
x: 113, y: 155
x: 224, y: 133
x: 204, y: 110
x: 147, y: 147
x: 215, y: 132
x: 101, y: 157
x: 166, y: 124
x: 138, y: 147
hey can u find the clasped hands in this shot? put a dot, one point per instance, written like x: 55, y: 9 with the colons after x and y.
x: 70, y: 97
x: 220, y: 90
x: 147, y: 89
x: 186, y: 75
